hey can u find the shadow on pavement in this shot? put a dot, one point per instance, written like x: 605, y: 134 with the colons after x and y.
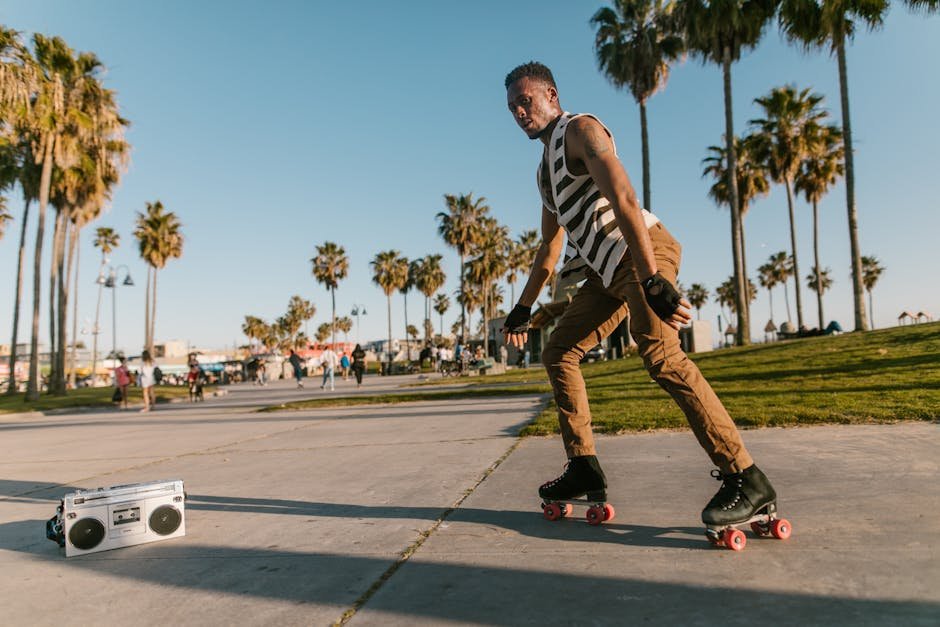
x: 473, y: 594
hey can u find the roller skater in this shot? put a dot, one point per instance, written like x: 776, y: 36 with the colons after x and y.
x: 629, y: 260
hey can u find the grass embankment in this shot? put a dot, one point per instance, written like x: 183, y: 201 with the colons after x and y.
x: 880, y: 376
x: 89, y: 397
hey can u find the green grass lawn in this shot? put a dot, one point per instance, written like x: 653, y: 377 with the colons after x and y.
x: 880, y: 376
x: 89, y: 397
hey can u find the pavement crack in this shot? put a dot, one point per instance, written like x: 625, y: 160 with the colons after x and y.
x: 410, y: 550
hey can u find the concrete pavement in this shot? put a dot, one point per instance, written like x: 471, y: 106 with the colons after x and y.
x: 423, y: 513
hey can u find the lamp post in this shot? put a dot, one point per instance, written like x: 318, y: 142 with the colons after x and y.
x: 111, y: 281
x: 356, y: 311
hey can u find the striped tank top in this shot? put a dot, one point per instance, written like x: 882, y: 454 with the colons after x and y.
x: 586, y: 215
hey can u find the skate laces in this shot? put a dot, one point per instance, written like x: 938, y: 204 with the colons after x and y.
x: 557, y: 480
x: 729, y: 494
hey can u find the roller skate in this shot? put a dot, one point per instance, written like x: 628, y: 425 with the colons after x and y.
x: 744, y: 498
x: 583, y: 477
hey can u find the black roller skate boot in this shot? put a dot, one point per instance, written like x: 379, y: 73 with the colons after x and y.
x: 744, y: 497
x: 583, y: 477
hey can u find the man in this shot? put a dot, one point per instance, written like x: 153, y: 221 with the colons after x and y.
x: 631, y: 262
x: 296, y: 364
x: 328, y: 360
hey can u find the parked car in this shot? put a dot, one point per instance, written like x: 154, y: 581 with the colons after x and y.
x: 598, y: 353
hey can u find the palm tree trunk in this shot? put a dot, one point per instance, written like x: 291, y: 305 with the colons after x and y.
x: 62, y: 288
x: 770, y: 293
x: 645, y: 142
x: 796, y: 265
x: 150, y: 271
x: 861, y: 319
x: 486, y: 326
x: 32, y: 385
x: 407, y: 343
x: 153, y: 313
x: 871, y: 308
x: 11, y: 386
x: 389, y: 299
x: 74, y: 256
x: 57, y: 235
x: 786, y: 300
x: 819, y: 291
x: 463, y: 314
x: 743, y: 335
x: 333, y: 295
x: 95, y: 331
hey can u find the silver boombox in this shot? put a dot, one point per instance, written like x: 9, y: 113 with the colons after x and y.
x: 89, y: 521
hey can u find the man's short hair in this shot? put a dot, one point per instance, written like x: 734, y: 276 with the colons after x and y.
x: 532, y: 69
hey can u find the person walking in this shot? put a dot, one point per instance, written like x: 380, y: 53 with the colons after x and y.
x: 328, y: 360
x: 122, y: 379
x: 147, y: 380
x: 630, y: 261
x: 358, y: 364
x: 297, y: 365
x: 344, y: 366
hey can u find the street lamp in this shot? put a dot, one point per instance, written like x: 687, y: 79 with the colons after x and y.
x: 111, y: 281
x: 356, y: 311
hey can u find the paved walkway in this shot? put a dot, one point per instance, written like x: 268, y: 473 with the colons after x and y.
x: 424, y: 514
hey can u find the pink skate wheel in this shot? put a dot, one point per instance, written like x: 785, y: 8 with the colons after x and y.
x: 551, y: 511
x: 609, y: 512
x: 781, y: 529
x: 595, y: 515
x: 734, y: 539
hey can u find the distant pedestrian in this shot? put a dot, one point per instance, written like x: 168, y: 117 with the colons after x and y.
x: 503, y: 354
x: 358, y: 364
x: 194, y: 381
x: 147, y: 380
x: 344, y: 364
x: 122, y: 379
x: 328, y: 360
x: 261, y: 372
x: 296, y: 364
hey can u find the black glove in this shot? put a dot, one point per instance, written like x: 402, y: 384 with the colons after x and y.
x: 661, y: 296
x: 518, y: 319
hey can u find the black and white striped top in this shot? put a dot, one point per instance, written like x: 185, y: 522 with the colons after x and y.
x: 584, y: 213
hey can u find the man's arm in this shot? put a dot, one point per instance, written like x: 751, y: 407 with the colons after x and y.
x: 588, y: 143
x: 542, y: 267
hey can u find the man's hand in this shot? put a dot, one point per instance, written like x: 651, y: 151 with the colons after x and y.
x: 516, y: 327
x: 666, y: 301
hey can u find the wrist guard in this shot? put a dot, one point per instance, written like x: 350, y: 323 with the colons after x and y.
x: 661, y: 296
x: 518, y: 320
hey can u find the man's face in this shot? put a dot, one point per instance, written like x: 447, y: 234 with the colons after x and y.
x: 533, y: 104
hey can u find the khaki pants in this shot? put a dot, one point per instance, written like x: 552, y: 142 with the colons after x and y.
x: 593, y: 314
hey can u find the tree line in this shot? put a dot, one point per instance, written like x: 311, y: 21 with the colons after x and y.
x: 637, y: 41
x: 62, y: 143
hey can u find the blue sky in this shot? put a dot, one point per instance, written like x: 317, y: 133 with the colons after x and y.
x: 272, y: 127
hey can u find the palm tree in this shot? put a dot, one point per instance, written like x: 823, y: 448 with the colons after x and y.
x: 521, y: 256
x: 726, y: 296
x: 751, y: 179
x: 460, y: 228
x: 107, y: 240
x: 344, y: 324
x: 819, y: 281
x: 634, y: 45
x: 780, y: 268
x: 768, y: 280
x: 441, y: 305
x: 488, y: 264
x: 784, y: 139
x: 254, y: 328
x: 429, y: 277
x: 324, y: 331
x: 390, y: 274
x: 53, y: 112
x: 820, y: 170
x: 299, y: 312
x: 831, y: 23
x: 698, y: 296
x: 871, y: 272
x: 329, y: 267
x: 718, y: 32
x: 159, y: 239
x: 411, y: 267
x: 5, y: 216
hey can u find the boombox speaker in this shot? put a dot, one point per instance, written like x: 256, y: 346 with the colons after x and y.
x: 123, y: 515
